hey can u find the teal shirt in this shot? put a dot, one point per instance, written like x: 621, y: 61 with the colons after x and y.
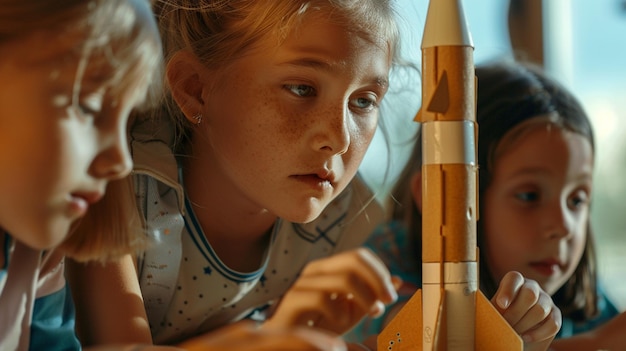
x: 53, y: 317
x: 607, y: 311
x: 52, y: 328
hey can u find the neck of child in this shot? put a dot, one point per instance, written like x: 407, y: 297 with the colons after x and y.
x: 237, y: 229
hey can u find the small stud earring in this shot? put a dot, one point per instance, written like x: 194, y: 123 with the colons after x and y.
x: 197, y: 117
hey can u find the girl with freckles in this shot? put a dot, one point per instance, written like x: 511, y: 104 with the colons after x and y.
x: 247, y: 172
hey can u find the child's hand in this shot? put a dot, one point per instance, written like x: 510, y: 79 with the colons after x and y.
x: 244, y: 336
x: 334, y: 293
x: 529, y: 310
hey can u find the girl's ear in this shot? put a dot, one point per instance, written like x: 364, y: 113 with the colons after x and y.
x: 416, y: 189
x: 185, y: 75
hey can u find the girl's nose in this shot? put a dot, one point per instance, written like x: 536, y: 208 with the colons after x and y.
x: 114, y: 160
x: 334, y: 135
x: 558, y: 221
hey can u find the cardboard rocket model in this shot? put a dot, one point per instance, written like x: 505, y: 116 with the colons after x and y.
x: 449, y: 312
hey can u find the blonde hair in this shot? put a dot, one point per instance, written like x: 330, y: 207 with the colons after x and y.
x: 221, y: 31
x: 124, y: 32
x: 110, y: 229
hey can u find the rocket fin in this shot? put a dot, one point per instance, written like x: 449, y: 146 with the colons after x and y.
x: 441, y: 338
x: 440, y: 101
x: 489, y: 322
x: 418, y: 116
x: 404, y: 332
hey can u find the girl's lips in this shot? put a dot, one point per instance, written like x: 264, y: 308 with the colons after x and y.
x: 78, y: 205
x: 547, y: 268
x: 89, y: 197
x: 80, y: 202
x: 326, y: 175
x: 314, y: 180
x: 321, y: 178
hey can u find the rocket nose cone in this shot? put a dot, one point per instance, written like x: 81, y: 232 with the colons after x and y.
x: 446, y: 25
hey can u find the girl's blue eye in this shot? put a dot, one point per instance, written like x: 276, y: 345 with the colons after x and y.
x: 301, y: 89
x: 575, y: 202
x: 364, y: 103
x: 528, y: 196
x: 578, y: 199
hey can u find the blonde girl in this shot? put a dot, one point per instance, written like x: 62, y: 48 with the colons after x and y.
x: 71, y: 73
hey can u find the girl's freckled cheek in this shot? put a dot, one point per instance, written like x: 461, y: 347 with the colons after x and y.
x: 289, y: 123
x: 298, y: 124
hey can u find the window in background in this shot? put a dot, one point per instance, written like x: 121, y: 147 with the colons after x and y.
x: 586, y: 49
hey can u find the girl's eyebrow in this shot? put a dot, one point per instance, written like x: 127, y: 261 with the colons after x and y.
x: 322, y: 65
x: 585, y: 175
x: 382, y: 82
x: 526, y: 172
x: 312, y: 63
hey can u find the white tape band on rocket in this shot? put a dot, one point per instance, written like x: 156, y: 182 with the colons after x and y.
x: 453, y: 272
x: 448, y: 142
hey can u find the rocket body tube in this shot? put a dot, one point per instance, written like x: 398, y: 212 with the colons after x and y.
x: 449, y: 174
x: 449, y: 201
x: 449, y: 313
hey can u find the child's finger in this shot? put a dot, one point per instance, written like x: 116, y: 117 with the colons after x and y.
x: 343, y: 284
x: 363, y: 263
x: 527, y: 297
x: 321, y: 310
x: 508, y: 290
x: 336, y: 301
x: 535, y: 315
x: 541, y: 337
